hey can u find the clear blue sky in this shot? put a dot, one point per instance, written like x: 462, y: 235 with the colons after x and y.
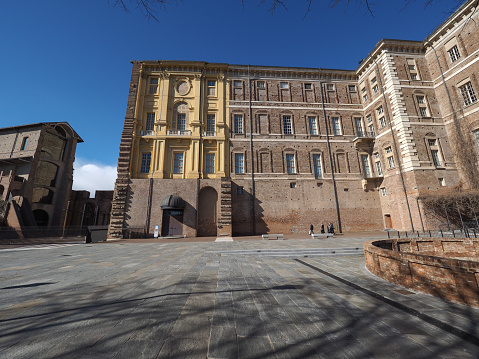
x: 69, y: 60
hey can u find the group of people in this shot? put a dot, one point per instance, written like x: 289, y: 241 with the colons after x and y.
x: 329, y: 227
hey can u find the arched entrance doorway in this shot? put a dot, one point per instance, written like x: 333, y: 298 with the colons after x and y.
x: 172, y: 223
x: 207, y: 204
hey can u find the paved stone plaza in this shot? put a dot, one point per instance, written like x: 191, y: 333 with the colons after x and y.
x: 242, y: 299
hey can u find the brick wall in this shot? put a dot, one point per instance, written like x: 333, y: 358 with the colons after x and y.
x: 446, y: 268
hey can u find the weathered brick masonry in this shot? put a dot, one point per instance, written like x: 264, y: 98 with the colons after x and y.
x: 446, y: 268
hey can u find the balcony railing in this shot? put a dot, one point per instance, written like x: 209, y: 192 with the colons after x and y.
x: 147, y: 133
x: 363, y: 134
x: 209, y: 134
x: 179, y: 133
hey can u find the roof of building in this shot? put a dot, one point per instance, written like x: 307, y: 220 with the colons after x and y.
x: 41, y: 124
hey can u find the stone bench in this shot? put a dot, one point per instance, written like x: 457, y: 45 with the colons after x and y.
x: 321, y: 235
x: 273, y: 236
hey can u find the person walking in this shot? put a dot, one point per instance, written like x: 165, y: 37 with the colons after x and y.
x: 322, y: 227
x: 311, y: 228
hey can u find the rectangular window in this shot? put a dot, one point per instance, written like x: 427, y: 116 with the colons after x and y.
x: 358, y: 122
x: 181, y: 122
x: 23, y: 147
x: 237, y: 83
x: 454, y: 53
x: 352, y: 88
x: 261, y: 84
x: 476, y: 136
x: 238, y: 123
x: 365, y: 98
x: 435, y: 158
x: 413, y: 76
x: 366, y: 168
x: 383, y: 191
x: 153, y: 86
x: 411, y: 66
x: 211, y: 87
x: 423, y: 111
x: 330, y: 87
x: 363, y: 90
x: 308, y: 86
x: 284, y: 85
x: 371, y: 130
x: 379, y: 168
x: 390, y: 157
x: 442, y: 182
x: 382, y: 122
x: 178, y: 163
x: 380, y: 110
x: 210, y: 124
x: 313, y: 128
x: 290, y: 164
x: 239, y: 163
x: 150, y: 121
x: 287, y: 128
x: 317, y: 166
x: 375, y: 89
x: 240, y: 190
x: 145, y: 162
x: 420, y: 100
x: 468, y: 94
x: 373, y: 80
x: 336, y: 126
x: 369, y: 118
x: 210, y: 163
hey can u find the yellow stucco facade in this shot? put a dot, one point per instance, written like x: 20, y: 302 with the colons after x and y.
x: 180, y: 121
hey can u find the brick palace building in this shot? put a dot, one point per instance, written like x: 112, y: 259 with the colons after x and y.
x: 212, y: 149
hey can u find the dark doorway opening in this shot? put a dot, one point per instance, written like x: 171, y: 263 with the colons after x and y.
x: 172, y: 222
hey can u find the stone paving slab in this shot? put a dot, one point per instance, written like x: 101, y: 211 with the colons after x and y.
x: 217, y: 300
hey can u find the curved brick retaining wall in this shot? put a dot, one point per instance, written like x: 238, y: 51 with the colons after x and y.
x: 446, y: 268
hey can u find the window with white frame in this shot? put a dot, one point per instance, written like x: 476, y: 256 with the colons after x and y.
x: 313, y: 127
x: 377, y: 161
x: 287, y: 126
x: 366, y: 167
x: 390, y: 157
x: 178, y: 162
x: 412, y: 68
x: 371, y: 130
x: 290, y: 163
x: 358, y: 122
x: 211, y: 87
x: 239, y: 163
x: 181, y: 122
x: 422, y: 104
x: 145, y: 162
x: 382, y: 190
x: 336, y: 126
x: 330, y: 87
x: 382, y: 122
x: 238, y: 123
x: 318, y: 173
x: 283, y: 85
x: 376, y: 89
x: 153, y: 88
x: 468, y: 94
x: 237, y: 83
x: 261, y: 84
x: 210, y: 124
x: 454, y: 54
x: 435, y: 153
x: 308, y: 86
x: 150, y: 121
x: 210, y: 163
x: 380, y: 110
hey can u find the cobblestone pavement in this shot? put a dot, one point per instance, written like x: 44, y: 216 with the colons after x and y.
x: 241, y: 299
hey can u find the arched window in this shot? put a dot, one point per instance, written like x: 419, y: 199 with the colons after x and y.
x: 180, y: 117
